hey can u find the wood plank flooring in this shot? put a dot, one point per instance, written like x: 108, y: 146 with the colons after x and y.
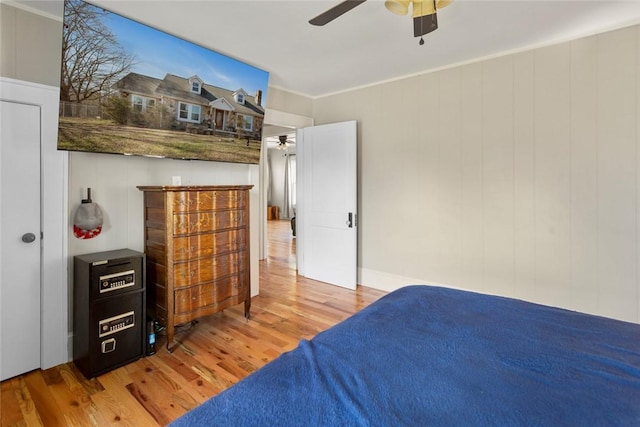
x: 214, y: 354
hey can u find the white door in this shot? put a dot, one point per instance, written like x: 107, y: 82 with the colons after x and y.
x: 327, y: 203
x: 20, y: 237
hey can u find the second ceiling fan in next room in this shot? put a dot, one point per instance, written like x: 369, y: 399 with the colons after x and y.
x: 424, y: 13
x: 283, y: 142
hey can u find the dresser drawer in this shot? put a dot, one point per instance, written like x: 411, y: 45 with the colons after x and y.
x: 189, y: 201
x: 207, y: 245
x: 208, y: 294
x: 206, y: 221
x: 207, y: 269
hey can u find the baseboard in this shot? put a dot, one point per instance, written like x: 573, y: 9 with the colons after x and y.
x: 70, y: 347
x: 387, y: 282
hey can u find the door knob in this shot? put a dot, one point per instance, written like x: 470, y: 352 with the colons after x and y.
x: 28, y: 237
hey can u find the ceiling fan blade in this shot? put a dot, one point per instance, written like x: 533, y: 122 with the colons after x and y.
x: 335, y: 12
x: 424, y: 24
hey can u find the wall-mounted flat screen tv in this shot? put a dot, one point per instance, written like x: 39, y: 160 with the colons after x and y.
x: 127, y: 88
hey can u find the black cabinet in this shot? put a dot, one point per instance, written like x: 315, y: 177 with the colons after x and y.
x: 109, y: 310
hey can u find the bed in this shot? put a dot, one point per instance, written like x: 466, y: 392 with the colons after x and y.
x: 425, y: 355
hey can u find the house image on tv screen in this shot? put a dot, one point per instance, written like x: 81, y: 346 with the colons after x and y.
x: 130, y: 89
x: 192, y: 105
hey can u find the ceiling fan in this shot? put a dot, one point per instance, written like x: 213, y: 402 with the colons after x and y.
x: 424, y: 13
x: 283, y: 142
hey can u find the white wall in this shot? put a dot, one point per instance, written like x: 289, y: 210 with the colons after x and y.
x: 29, y: 55
x: 516, y: 176
x: 280, y: 103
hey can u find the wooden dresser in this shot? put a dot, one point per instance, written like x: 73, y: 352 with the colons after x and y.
x: 197, y: 248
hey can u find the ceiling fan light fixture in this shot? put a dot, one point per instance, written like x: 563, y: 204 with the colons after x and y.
x: 282, y: 142
x: 426, y: 7
x: 399, y: 7
x: 424, y: 13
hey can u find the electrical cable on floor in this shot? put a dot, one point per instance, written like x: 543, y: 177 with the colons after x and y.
x: 178, y: 329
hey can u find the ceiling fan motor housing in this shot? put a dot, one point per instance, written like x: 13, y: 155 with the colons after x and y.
x: 424, y: 13
x: 420, y: 7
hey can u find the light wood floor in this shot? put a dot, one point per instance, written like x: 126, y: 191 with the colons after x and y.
x: 219, y: 351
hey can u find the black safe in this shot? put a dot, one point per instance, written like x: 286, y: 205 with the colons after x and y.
x: 109, y: 310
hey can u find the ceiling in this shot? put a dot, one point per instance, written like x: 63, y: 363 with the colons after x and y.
x: 369, y: 44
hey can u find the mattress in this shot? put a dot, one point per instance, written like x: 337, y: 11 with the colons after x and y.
x: 425, y: 355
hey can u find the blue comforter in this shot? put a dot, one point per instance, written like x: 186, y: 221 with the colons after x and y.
x: 426, y: 355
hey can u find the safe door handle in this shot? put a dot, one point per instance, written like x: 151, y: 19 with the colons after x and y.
x: 350, y: 220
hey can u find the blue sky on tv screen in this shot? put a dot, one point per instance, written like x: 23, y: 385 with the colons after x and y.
x: 158, y: 53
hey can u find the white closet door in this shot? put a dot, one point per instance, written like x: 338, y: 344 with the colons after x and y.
x: 20, y: 231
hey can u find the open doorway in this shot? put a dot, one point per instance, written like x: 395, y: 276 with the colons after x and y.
x: 278, y: 125
x: 281, y: 189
